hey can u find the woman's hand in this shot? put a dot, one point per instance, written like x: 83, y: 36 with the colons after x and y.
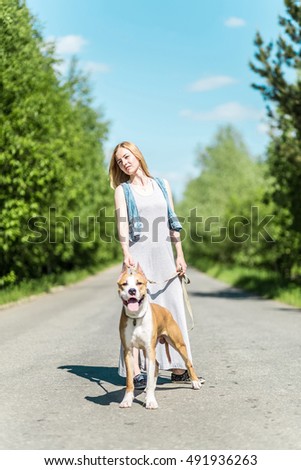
x: 128, y: 261
x: 181, y: 265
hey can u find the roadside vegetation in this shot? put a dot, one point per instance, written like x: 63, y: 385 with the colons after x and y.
x: 53, y: 177
x: 245, y: 212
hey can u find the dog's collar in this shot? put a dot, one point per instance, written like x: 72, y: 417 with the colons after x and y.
x: 135, y: 318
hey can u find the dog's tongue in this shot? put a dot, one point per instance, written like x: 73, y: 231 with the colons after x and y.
x: 133, y: 305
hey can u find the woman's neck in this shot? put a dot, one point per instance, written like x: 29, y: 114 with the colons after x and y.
x: 139, y: 179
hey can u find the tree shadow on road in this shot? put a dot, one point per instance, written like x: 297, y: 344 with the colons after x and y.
x: 231, y: 293
x: 228, y: 293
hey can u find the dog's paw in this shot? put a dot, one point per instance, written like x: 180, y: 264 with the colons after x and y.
x: 125, y: 404
x: 127, y: 401
x: 196, y: 384
x: 151, y: 403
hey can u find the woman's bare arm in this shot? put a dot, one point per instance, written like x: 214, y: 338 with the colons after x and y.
x: 123, y: 225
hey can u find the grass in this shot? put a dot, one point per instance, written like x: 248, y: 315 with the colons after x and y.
x: 32, y: 287
x: 267, y: 284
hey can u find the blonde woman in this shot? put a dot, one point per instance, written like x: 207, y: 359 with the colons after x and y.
x: 147, y: 227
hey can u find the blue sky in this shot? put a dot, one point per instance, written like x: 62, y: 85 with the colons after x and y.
x: 167, y: 73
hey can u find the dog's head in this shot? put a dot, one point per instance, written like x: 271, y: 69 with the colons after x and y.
x: 132, y: 288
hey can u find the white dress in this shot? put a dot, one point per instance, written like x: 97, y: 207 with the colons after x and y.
x: 154, y: 253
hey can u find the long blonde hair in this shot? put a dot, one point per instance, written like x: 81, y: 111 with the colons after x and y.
x: 117, y: 176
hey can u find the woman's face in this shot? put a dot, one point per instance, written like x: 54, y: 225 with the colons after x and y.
x: 127, y: 161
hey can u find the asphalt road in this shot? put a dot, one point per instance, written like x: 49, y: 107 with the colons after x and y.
x: 60, y: 388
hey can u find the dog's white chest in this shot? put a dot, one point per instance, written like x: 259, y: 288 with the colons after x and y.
x: 139, y: 335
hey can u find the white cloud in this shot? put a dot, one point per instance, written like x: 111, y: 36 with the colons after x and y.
x: 211, y: 83
x: 263, y: 128
x: 69, y: 44
x: 73, y: 44
x: 96, y: 67
x: 231, y: 111
x: 234, y: 22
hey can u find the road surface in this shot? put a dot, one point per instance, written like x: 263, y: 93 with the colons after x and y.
x: 60, y: 388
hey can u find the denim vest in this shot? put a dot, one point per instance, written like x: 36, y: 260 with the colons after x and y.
x: 135, y: 224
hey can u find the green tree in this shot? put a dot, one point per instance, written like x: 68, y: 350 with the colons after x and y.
x: 229, y: 185
x: 51, y: 158
x: 276, y: 63
x: 93, y: 191
x: 32, y: 144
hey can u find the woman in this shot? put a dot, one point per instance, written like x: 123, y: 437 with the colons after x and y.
x: 144, y: 211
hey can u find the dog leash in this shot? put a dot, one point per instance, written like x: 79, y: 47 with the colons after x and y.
x: 184, y: 280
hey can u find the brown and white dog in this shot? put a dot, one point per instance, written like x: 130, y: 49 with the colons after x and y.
x: 142, y: 324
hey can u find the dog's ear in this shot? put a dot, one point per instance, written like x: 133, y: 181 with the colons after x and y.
x: 124, y: 270
x: 139, y: 269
